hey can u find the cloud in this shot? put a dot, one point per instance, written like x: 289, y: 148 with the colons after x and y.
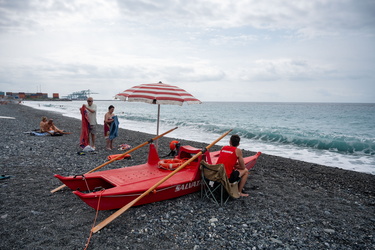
x: 218, y: 48
x: 305, y: 17
x: 285, y: 69
x: 308, y: 18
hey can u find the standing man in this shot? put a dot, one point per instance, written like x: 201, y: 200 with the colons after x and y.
x: 91, y: 107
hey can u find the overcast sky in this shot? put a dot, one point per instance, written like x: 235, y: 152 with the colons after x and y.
x: 218, y: 50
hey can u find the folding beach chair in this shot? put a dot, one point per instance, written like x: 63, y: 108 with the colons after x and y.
x: 215, y: 184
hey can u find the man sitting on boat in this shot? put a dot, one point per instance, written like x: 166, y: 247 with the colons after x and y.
x: 231, y: 157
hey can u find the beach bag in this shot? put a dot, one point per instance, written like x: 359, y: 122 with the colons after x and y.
x: 56, y: 134
x: 234, y: 176
x: 88, y: 149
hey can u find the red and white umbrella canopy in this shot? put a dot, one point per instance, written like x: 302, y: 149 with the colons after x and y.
x: 157, y: 93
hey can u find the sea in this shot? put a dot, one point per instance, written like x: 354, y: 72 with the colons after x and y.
x: 332, y: 134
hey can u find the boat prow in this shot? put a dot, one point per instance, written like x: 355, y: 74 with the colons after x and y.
x: 251, y: 160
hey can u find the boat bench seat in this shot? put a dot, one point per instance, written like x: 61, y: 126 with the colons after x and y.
x: 186, y: 152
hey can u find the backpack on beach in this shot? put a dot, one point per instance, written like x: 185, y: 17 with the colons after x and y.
x: 234, y: 176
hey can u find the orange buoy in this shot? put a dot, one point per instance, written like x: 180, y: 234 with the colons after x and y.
x: 170, y: 164
x: 111, y: 157
x: 172, y: 144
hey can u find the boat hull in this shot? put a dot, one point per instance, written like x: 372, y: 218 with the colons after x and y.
x: 100, y: 200
x: 113, y: 189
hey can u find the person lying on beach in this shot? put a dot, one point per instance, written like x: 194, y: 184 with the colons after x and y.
x: 42, y: 123
x: 51, y: 129
x: 231, y: 157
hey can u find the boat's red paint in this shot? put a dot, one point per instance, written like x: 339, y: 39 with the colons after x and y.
x: 116, y: 188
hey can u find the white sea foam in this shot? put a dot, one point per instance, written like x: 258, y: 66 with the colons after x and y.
x: 207, y: 125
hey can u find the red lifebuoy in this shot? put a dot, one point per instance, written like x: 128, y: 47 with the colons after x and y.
x: 170, y: 164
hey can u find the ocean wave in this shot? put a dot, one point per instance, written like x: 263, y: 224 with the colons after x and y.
x: 278, y: 135
x: 274, y: 134
x: 138, y: 118
x: 343, y: 144
x: 317, y: 133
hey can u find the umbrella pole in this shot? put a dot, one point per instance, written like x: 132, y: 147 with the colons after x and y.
x: 157, y: 129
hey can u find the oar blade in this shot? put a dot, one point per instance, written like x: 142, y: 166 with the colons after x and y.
x: 58, y: 188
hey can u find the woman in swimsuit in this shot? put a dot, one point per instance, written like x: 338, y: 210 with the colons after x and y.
x: 108, y: 119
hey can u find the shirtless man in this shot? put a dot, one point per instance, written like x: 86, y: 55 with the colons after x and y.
x: 43, y: 123
x: 51, y: 129
x: 231, y: 157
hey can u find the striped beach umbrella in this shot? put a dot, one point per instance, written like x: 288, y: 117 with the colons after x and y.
x: 157, y: 93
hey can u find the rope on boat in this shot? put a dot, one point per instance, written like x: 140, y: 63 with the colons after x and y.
x: 96, y: 216
x: 87, y: 185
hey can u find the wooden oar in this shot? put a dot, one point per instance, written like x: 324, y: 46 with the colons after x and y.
x: 130, y: 204
x: 119, y: 156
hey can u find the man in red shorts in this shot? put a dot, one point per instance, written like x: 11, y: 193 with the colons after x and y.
x: 232, y: 158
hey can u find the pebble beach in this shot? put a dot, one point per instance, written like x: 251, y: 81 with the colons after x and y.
x: 291, y: 204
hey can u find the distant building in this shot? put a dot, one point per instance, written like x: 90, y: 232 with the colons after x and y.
x: 36, y: 96
x: 27, y: 96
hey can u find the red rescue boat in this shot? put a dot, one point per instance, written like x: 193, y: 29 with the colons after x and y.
x: 113, y: 189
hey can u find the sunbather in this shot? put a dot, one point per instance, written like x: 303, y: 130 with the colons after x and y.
x: 42, y: 124
x: 51, y: 129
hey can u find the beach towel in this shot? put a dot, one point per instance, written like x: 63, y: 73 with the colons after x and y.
x: 39, y: 134
x: 113, y: 131
x: 107, y: 127
x: 36, y: 133
x: 85, y: 128
x: 124, y: 147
